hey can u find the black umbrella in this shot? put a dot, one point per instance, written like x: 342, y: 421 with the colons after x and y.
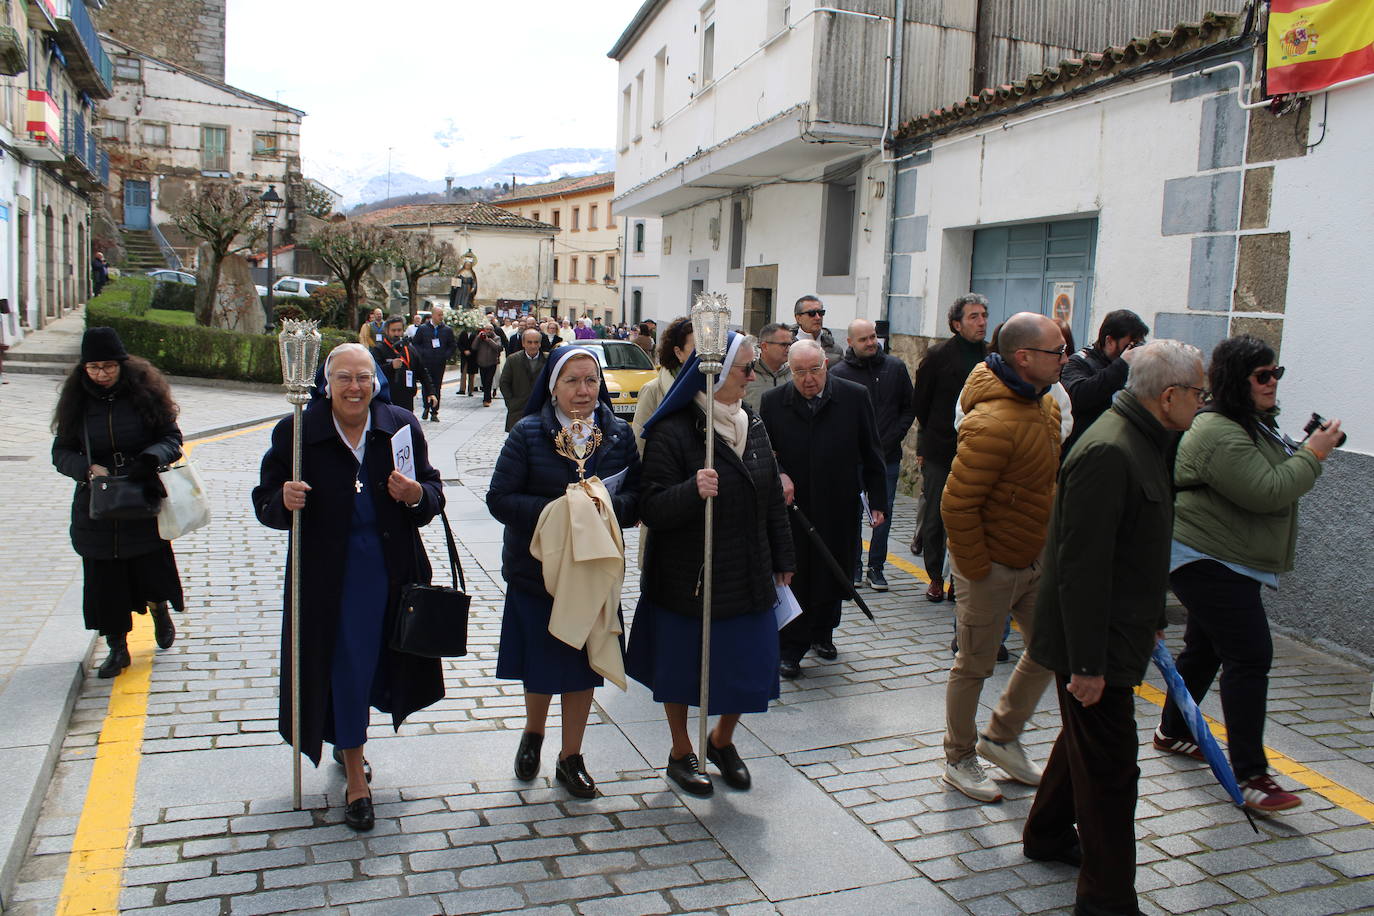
x: 831, y: 562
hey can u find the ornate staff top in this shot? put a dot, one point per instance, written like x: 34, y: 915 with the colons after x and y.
x: 710, y: 327
x: 300, y: 354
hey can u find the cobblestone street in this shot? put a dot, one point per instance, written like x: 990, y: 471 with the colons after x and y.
x: 847, y: 813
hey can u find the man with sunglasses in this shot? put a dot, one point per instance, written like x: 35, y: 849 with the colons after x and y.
x: 996, y: 510
x: 810, y: 315
x: 770, y: 369
x: 1094, y: 375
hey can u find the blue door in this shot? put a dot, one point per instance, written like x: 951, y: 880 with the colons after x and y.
x: 137, y: 204
x: 1037, y: 267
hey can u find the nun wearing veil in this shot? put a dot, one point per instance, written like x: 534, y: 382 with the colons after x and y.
x: 569, y: 410
x: 752, y: 557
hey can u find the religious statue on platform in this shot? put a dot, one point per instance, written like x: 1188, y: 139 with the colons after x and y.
x: 463, y: 288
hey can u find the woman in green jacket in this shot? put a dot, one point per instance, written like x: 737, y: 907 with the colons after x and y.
x: 1235, y: 526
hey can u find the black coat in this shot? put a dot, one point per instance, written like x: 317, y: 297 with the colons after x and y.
x: 469, y: 358
x: 939, y: 379
x: 894, y: 398
x: 752, y: 539
x: 404, y: 683
x: 401, y: 395
x: 828, y: 453
x: 1091, y: 379
x: 529, y: 475
x: 113, y: 424
x: 424, y: 339
x: 517, y: 380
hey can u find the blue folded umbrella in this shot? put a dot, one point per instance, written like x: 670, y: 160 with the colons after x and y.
x: 1197, y: 724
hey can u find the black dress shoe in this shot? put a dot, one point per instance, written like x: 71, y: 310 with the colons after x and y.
x: 527, y: 756
x: 164, y: 631
x: 117, y: 661
x: 683, y: 771
x: 572, y: 773
x: 732, y: 768
x: 358, y: 814
x: 825, y: 650
x: 789, y: 669
x: 1071, y: 854
x: 367, y: 767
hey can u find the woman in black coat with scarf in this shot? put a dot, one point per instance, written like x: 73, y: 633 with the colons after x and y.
x: 115, y: 415
x: 529, y: 475
x: 360, y: 543
x: 752, y: 558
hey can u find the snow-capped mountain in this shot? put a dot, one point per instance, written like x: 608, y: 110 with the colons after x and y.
x: 365, y: 181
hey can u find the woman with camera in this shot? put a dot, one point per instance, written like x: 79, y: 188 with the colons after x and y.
x: 1238, y: 481
x: 115, y: 416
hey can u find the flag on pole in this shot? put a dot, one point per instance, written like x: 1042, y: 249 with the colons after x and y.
x: 1314, y: 44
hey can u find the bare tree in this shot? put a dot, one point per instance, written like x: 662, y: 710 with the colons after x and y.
x: 420, y: 255
x: 228, y: 219
x: 349, y: 250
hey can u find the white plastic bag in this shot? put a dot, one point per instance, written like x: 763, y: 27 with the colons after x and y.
x: 187, y: 506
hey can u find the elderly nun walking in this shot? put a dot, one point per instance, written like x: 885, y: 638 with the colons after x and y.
x: 568, y: 417
x: 753, y: 556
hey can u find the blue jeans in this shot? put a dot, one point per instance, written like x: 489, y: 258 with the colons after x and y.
x: 877, y: 545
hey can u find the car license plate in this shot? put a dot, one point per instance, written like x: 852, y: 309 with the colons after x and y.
x: 628, y: 409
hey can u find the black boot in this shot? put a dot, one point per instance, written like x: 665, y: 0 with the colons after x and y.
x: 163, y: 629
x: 119, y: 657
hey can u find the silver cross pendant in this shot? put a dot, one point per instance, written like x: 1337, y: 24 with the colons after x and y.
x: 357, y: 486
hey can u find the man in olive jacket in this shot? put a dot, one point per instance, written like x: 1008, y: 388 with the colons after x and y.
x: 1099, y: 611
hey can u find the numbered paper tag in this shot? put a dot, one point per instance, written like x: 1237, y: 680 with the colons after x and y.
x: 403, y: 452
x: 434, y: 342
x: 410, y: 379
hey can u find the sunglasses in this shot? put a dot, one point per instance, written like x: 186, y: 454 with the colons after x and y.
x: 1203, y: 394
x: 813, y: 313
x: 1265, y: 376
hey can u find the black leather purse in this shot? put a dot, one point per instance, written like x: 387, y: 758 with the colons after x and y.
x: 432, y: 620
x: 119, y: 497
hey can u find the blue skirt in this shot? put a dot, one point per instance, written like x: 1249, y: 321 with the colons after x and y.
x: 529, y: 654
x: 362, y: 616
x: 665, y: 656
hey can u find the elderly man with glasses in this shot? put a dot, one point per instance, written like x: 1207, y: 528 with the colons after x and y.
x: 770, y: 369
x: 826, y: 440
x: 996, y: 509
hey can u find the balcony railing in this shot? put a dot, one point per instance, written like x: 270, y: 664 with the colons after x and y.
x: 86, y: 162
x: 13, y: 59
x: 42, y: 14
x: 88, y: 65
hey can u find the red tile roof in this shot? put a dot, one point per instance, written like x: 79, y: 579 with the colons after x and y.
x: 469, y: 214
x: 560, y: 188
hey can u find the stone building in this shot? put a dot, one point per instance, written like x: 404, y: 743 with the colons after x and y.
x: 52, y: 71
x: 188, y: 33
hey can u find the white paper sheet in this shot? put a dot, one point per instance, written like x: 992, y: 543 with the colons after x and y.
x: 403, y: 452
x: 615, y: 482
x: 787, y: 609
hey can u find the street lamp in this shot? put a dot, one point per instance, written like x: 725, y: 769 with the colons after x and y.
x: 271, y: 209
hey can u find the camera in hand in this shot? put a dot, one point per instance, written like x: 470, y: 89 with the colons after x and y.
x: 1319, y: 422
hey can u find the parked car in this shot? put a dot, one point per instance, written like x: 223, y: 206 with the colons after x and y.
x: 167, y: 275
x: 295, y: 286
x: 627, y: 369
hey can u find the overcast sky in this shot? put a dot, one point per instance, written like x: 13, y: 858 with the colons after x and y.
x: 451, y: 85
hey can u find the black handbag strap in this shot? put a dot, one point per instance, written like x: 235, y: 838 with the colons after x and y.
x: 455, y: 566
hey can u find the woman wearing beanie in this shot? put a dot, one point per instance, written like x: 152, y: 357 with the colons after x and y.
x: 115, y: 415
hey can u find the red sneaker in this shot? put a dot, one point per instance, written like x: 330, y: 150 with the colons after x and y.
x: 1177, y: 746
x: 1262, y: 794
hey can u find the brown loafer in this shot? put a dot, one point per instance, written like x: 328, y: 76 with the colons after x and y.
x: 936, y: 592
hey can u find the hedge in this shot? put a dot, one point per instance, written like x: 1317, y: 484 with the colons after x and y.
x: 180, y: 297
x: 195, y: 351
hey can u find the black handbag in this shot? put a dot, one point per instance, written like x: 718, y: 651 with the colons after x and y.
x: 432, y: 620
x: 118, y: 497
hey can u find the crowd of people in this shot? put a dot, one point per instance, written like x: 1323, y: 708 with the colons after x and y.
x: 1064, y: 491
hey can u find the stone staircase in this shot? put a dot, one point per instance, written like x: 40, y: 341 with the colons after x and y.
x: 50, y: 351
x: 141, y: 253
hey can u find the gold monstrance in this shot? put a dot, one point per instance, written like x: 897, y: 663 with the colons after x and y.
x: 577, y: 443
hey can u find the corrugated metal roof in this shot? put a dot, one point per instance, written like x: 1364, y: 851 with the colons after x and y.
x: 476, y: 213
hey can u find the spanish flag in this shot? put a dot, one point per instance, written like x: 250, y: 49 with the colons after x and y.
x: 1313, y: 44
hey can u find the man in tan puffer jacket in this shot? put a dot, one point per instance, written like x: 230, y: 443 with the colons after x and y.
x: 996, y: 509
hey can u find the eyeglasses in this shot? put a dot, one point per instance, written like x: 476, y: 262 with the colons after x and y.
x: 1264, y: 376
x: 1058, y: 351
x: 814, y: 370
x: 102, y: 368
x: 746, y: 370
x: 779, y: 343
x: 1203, y: 394
x: 344, y: 379
x: 813, y: 313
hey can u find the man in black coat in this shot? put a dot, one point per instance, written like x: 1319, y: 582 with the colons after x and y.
x: 436, y: 344
x: 1098, y: 614
x: 1094, y: 374
x: 399, y: 362
x: 894, y: 408
x: 939, y: 379
x: 822, y: 427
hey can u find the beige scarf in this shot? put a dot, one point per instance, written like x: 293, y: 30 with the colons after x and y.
x: 730, y: 421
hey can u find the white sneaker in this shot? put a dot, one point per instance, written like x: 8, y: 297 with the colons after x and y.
x: 968, y: 777
x: 1011, y: 759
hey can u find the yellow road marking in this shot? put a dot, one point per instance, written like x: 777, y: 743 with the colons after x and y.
x: 96, y: 867
x: 1334, y: 792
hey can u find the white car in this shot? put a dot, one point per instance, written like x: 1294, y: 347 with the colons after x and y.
x: 167, y: 275
x: 295, y: 286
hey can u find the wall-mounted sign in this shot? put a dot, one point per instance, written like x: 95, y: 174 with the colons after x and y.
x: 1063, y: 300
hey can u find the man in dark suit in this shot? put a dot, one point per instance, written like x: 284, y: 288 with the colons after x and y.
x: 939, y: 379
x: 519, y: 372
x: 821, y: 429
x: 399, y: 361
x: 436, y: 344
